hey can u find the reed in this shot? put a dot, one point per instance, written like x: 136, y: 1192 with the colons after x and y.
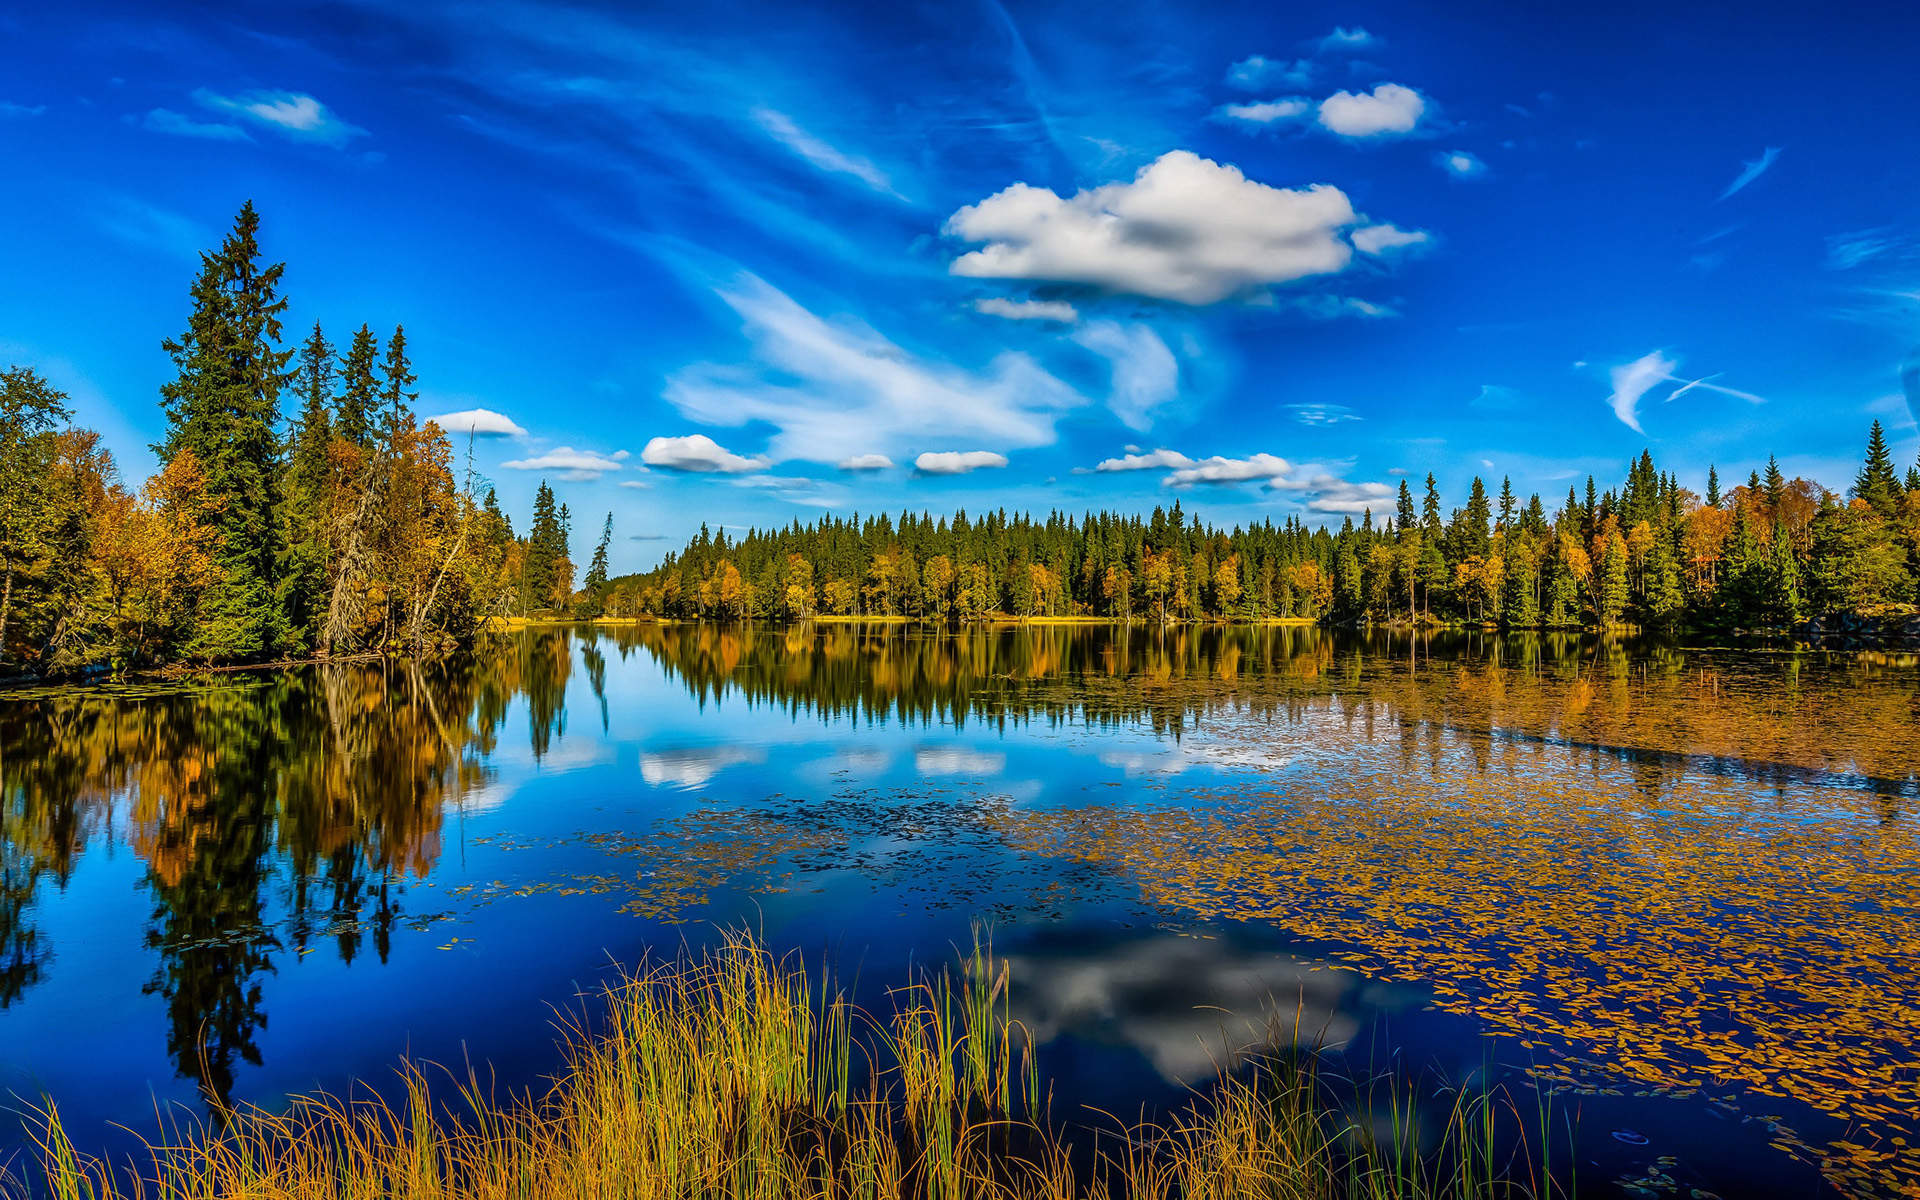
x: 728, y: 1076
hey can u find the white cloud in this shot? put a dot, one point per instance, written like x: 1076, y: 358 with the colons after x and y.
x: 1461, y: 164
x: 1258, y: 71
x: 835, y: 389
x: 1322, y: 414
x: 781, y: 128
x: 1145, y: 373
x: 1266, y: 112
x: 1134, y: 461
x: 956, y: 760
x: 699, y: 453
x: 1389, y: 110
x: 1495, y: 398
x: 480, y: 422
x: 1332, y: 308
x: 9, y: 110
x: 1343, y: 38
x: 1381, y: 239
x: 1848, y: 250
x: 1186, y: 228
x: 640, y: 485
x: 865, y: 462
x: 1028, y: 310
x: 957, y: 462
x: 1218, y: 469
x: 573, y: 464
x: 295, y: 115
x: 695, y: 766
x: 1332, y: 494
x: 1750, y: 171
x: 165, y: 120
x: 1634, y: 380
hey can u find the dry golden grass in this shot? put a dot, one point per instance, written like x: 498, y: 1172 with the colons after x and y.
x: 728, y: 1075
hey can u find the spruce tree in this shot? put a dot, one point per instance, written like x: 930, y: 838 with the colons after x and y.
x: 1713, y: 486
x: 543, y: 540
x: 304, y: 500
x: 596, y: 581
x: 396, y: 401
x: 1404, y: 516
x: 359, y: 389
x: 1876, y: 483
x: 223, y: 408
x: 1774, y: 486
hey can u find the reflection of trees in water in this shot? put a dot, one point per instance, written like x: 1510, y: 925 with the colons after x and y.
x: 334, y: 778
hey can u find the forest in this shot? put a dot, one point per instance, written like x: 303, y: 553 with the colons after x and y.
x: 1763, y: 555
x: 303, y: 510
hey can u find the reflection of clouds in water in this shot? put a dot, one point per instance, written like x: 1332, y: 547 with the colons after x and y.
x: 695, y: 765
x: 862, y: 761
x: 1184, y: 757
x: 958, y: 760
x: 1187, y: 1004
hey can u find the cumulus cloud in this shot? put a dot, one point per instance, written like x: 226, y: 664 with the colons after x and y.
x: 1461, y: 164
x: 1343, y: 38
x: 294, y: 115
x: 865, y: 462
x: 1145, y: 373
x: 698, y: 453
x: 1332, y: 494
x: 781, y: 128
x: 1257, y: 71
x: 1028, y: 310
x: 1750, y: 171
x: 1186, y: 229
x: 479, y: 422
x: 957, y: 462
x: 573, y: 464
x: 1389, y: 110
x: 836, y: 389
x: 1219, y: 469
x: 1382, y: 239
x: 1266, y: 112
x: 1135, y: 461
x: 165, y: 120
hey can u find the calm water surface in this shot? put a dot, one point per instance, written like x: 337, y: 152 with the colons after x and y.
x: 1674, y: 887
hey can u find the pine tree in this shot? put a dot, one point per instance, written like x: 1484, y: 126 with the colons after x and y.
x: 223, y: 408
x: 543, y: 549
x: 359, y: 389
x: 1664, y: 598
x: 596, y: 581
x: 1775, y: 486
x: 1876, y: 483
x: 1404, y: 516
x: 1713, y: 486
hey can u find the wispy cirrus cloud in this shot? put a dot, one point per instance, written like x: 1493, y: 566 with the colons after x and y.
x: 836, y: 389
x: 293, y: 115
x: 1750, y: 171
x: 1146, y: 376
x: 1257, y: 72
x: 167, y: 121
x: 821, y: 153
x: 1633, y: 381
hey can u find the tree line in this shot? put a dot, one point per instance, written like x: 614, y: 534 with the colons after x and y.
x: 344, y: 526
x: 1764, y: 554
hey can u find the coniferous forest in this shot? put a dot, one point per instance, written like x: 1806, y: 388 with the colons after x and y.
x: 1763, y: 555
x: 302, y: 509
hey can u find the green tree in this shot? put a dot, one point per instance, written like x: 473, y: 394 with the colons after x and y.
x: 305, y: 496
x: 30, y: 409
x: 595, y: 583
x: 223, y: 406
x: 359, y: 389
x: 1876, y: 483
x: 396, y: 401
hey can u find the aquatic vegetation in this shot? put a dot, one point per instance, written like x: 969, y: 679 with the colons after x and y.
x: 733, y: 1075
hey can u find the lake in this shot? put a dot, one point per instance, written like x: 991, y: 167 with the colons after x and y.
x: 1673, y: 887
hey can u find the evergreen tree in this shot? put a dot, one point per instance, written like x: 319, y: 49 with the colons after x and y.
x: 596, y: 581
x: 1876, y: 483
x: 359, y: 389
x: 544, y: 544
x: 396, y: 401
x: 304, y: 500
x: 30, y: 409
x: 1774, y: 487
x: 1405, y: 520
x: 1713, y: 486
x: 223, y: 408
x: 1664, y: 597
x: 1610, y: 597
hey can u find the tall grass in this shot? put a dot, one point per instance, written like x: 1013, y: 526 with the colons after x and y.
x: 728, y: 1076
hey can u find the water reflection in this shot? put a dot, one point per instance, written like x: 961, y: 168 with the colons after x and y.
x: 1572, y: 835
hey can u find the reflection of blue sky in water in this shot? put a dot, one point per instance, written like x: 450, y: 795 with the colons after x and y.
x: 873, y: 833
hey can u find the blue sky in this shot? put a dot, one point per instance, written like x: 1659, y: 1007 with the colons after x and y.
x: 744, y: 262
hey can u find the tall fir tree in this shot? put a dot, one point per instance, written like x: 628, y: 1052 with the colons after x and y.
x: 1713, y: 486
x: 1876, y: 483
x: 543, y: 549
x: 359, y: 389
x: 223, y: 407
x: 305, y: 497
x: 396, y: 400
